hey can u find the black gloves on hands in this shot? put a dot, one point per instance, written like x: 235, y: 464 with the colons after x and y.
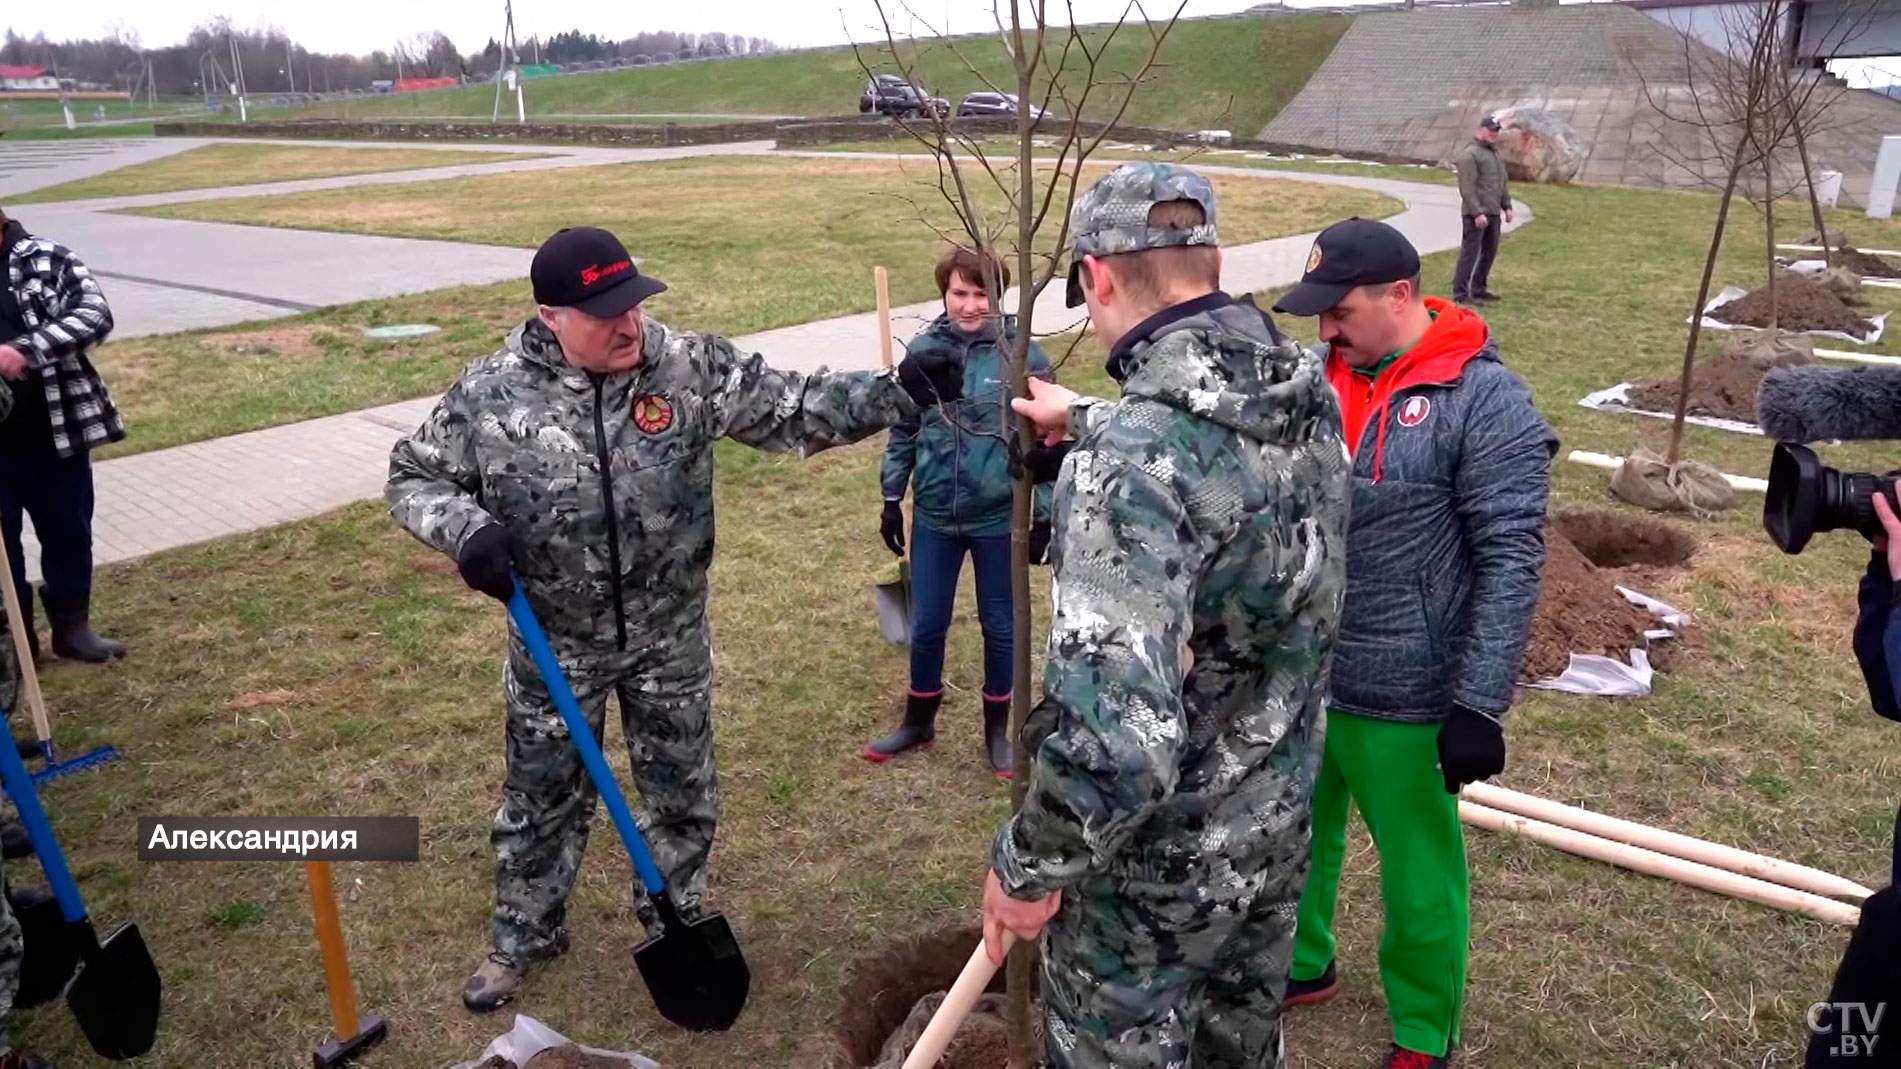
x: 1471, y: 747
x: 931, y: 377
x: 1045, y: 462
x: 891, y: 527
x: 486, y: 563
x: 1040, y: 543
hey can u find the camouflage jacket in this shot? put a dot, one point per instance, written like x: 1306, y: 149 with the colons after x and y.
x: 960, y: 476
x: 1204, y: 513
x: 605, y: 483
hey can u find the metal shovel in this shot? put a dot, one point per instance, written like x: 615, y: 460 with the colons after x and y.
x: 115, y: 994
x: 893, y: 600
x: 693, y: 969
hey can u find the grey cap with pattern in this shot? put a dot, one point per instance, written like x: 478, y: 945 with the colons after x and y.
x: 1112, y: 216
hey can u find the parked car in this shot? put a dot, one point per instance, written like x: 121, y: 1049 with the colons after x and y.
x: 994, y: 104
x: 889, y: 94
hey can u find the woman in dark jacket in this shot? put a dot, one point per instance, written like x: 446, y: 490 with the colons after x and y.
x: 957, y: 467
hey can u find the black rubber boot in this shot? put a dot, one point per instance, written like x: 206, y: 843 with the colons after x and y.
x: 70, y: 620
x: 918, y: 729
x: 15, y: 843
x: 997, y: 737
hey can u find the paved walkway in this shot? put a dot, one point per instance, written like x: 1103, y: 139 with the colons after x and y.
x: 176, y: 497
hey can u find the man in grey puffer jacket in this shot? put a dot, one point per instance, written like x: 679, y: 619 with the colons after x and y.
x: 1445, y: 543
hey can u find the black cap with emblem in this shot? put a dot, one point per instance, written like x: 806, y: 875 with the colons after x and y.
x: 1347, y: 255
x: 588, y: 268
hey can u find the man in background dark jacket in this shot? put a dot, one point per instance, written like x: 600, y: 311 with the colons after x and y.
x: 1445, y: 543
x: 52, y: 314
x: 1485, y: 202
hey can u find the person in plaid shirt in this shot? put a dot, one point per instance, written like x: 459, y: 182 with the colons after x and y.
x: 52, y: 314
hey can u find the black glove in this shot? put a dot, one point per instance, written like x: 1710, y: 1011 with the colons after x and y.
x: 1045, y: 462
x: 486, y: 563
x: 1040, y: 543
x: 891, y: 527
x: 932, y: 377
x: 1471, y: 747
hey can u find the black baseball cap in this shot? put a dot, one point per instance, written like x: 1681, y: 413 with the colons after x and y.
x: 588, y: 268
x: 1490, y: 122
x: 1349, y: 254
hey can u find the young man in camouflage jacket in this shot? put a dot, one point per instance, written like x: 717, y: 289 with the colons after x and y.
x: 580, y: 458
x: 1199, y: 557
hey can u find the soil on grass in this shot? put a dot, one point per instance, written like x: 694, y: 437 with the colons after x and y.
x: 1579, y: 608
x: 570, y: 1056
x: 1724, y: 386
x: 1865, y: 264
x: 1801, y: 305
x: 890, y: 991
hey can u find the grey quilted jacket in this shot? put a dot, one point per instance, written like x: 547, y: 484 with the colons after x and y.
x: 1445, y: 544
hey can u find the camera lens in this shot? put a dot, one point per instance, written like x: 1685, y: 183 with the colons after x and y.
x: 1806, y: 497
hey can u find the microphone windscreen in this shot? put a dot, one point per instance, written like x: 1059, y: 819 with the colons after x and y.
x: 1813, y: 403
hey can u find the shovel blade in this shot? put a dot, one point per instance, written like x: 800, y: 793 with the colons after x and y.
x: 115, y: 997
x: 695, y: 974
x: 893, y: 600
x: 52, y: 952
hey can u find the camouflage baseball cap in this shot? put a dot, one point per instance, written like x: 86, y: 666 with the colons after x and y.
x: 1112, y: 216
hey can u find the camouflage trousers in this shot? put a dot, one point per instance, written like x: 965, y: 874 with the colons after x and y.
x: 1147, y: 971
x: 12, y: 953
x: 664, y: 691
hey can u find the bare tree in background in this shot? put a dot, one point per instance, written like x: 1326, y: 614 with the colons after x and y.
x: 1744, y: 111
x: 1012, y: 204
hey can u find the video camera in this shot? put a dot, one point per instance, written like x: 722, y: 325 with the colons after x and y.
x: 1809, y: 403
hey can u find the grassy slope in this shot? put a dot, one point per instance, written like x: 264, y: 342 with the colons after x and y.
x: 240, y: 165
x: 721, y: 240
x: 1232, y: 72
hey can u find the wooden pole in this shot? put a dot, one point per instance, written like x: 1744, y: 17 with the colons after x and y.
x: 336, y: 960
x: 1651, y: 863
x: 956, y: 1006
x: 29, y: 673
x: 1788, y: 874
x: 881, y: 278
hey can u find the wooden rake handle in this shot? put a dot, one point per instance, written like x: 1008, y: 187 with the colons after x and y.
x: 881, y: 279
x: 29, y: 675
x: 963, y: 995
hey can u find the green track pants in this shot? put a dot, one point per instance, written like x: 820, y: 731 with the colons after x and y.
x: 1391, y: 771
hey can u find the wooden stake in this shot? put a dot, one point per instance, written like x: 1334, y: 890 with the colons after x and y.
x: 1651, y: 863
x: 881, y: 278
x: 1786, y: 873
x: 29, y: 675
x: 956, y: 1006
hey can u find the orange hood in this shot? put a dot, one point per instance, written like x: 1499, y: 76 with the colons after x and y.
x: 1456, y: 336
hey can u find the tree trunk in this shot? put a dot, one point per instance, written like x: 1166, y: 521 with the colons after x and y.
x: 1815, y: 202
x: 1769, y: 241
x: 1018, y: 976
x: 1696, y: 313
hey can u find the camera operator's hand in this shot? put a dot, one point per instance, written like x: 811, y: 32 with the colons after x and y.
x: 1891, y: 542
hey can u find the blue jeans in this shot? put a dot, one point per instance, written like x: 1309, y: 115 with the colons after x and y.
x: 936, y: 560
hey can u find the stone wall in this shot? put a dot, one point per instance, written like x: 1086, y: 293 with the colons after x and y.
x: 558, y: 133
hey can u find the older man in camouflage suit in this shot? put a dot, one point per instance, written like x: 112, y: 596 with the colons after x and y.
x: 1199, y: 544
x: 580, y: 457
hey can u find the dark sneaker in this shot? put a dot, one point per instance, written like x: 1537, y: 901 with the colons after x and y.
x: 1319, y: 989
x: 1487, y: 296
x: 1401, y: 1058
x: 15, y: 843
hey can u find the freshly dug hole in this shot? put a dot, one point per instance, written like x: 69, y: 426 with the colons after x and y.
x: 1801, y: 305
x: 1579, y: 608
x: 1724, y: 386
x: 885, y: 985
x: 1615, y: 540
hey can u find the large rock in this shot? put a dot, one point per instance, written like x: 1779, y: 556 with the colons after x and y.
x: 1537, y: 146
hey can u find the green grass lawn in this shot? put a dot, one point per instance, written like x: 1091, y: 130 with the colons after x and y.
x: 721, y: 238
x: 1236, y: 72
x: 336, y: 667
x: 46, y: 111
x: 209, y: 166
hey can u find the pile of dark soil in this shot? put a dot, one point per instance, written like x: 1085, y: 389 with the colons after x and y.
x: 1579, y: 609
x: 1801, y: 305
x: 1867, y: 265
x: 1725, y: 385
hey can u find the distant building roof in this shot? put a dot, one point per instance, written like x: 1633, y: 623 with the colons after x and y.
x: 21, y: 72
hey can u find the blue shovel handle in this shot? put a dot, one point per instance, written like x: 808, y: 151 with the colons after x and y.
x: 19, y: 785
x: 536, y: 640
